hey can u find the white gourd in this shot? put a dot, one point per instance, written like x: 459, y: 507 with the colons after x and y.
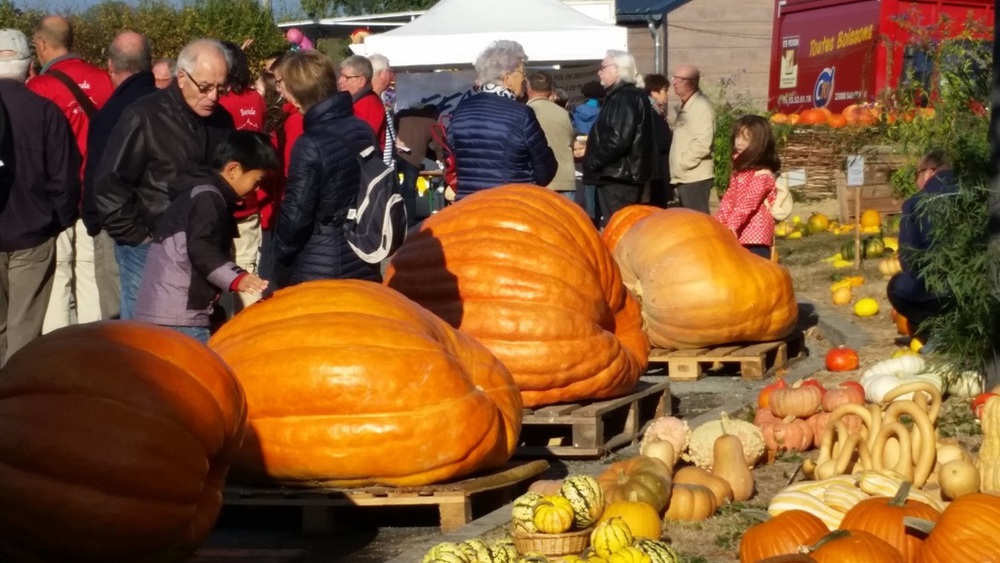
x: 889, y: 374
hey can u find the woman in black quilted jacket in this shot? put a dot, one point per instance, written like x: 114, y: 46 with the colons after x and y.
x: 323, y: 176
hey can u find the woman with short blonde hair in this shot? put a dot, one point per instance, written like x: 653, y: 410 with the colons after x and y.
x: 309, y: 76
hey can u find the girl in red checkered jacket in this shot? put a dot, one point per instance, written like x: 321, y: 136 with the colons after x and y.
x: 746, y: 206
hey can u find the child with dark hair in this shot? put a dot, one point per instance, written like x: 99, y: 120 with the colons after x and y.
x: 191, y: 258
x: 746, y: 206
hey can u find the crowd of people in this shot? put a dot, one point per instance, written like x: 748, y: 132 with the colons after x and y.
x: 145, y: 190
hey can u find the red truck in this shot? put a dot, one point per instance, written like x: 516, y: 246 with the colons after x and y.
x: 834, y: 53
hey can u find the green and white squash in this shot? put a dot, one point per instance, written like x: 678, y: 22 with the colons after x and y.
x: 609, y: 536
x: 584, y: 493
x: 446, y: 552
x: 475, y: 550
x: 503, y: 552
x: 523, y: 513
x: 657, y: 551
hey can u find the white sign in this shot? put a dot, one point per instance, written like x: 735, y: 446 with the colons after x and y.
x: 855, y: 170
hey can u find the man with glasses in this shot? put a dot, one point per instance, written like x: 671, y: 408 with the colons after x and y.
x: 691, y: 169
x: 620, y: 147
x: 79, y: 89
x: 171, y: 132
x: 906, y: 290
x: 355, y: 78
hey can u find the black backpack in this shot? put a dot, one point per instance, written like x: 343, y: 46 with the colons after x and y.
x: 376, y: 226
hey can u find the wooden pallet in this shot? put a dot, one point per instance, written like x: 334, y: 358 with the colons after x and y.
x: 590, y: 429
x: 453, y: 500
x: 754, y: 361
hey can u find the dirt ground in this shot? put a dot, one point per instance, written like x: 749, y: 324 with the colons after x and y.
x: 268, y: 535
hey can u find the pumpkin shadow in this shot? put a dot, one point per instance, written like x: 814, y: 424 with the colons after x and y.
x: 420, y: 271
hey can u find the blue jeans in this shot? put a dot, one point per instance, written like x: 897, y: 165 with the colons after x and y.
x: 131, y: 260
x: 199, y: 333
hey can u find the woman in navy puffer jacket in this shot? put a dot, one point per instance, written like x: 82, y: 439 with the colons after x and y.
x: 497, y: 140
x: 323, y: 176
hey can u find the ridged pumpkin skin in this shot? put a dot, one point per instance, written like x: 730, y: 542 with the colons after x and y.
x: 699, y: 287
x: 968, y: 531
x: 781, y: 535
x: 883, y: 518
x: 350, y: 383
x: 523, y: 270
x: 116, y: 439
x: 622, y: 220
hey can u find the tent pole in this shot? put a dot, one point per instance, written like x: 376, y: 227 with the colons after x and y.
x: 656, y: 30
x: 993, y: 370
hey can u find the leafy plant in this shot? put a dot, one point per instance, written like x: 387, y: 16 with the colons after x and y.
x: 729, y: 107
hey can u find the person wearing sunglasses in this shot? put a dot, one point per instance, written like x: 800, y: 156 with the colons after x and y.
x: 170, y: 132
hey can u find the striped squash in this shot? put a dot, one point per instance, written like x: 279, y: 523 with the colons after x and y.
x: 523, y: 513
x: 587, y: 498
x: 553, y: 515
x: 475, y: 550
x: 446, y: 552
x: 503, y: 552
x: 610, y: 536
x: 629, y: 554
x: 657, y: 551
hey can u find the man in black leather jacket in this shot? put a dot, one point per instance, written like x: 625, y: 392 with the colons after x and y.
x: 620, y: 146
x: 157, y: 138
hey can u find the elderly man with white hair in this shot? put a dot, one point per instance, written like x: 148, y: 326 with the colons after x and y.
x: 621, y: 145
x: 43, y: 198
x: 382, y: 77
x: 161, y: 136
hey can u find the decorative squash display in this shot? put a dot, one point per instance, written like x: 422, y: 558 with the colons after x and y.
x: 553, y: 515
x: 609, y: 536
x: 523, y: 512
x: 799, y: 400
x: 780, y: 535
x: 342, y: 376
x: 842, y: 358
x: 657, y: 551
x: 699, y: 287
x: 641, y: 478
x: 847, y: 392
x: 523, y: 270
x: 968, y: 531
x: 622, y: 220
x: 989, y: 453
x: 694, y: 475
x: 116, y: 439
x: 883, y: 517
x: 585, y: 495
x: 690, y: 503
x: 787, y: 434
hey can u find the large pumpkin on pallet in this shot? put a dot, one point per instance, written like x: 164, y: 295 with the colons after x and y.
x: 115, y: 440
x: 350, y: 384
x: 699, y: 287
x: 524, y: 271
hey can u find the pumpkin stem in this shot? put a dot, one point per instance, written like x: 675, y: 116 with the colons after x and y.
x: 723, y: 419
x: 755, y: 514
x: 919, y: 524
x: 788, y: 419
x: 832, y: 536
x: 900, y: 499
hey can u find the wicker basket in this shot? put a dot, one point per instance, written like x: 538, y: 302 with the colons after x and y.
x: 549, y: 545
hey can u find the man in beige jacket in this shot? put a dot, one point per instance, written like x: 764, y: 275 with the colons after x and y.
x: 691, y: 169
x: 558, y: 130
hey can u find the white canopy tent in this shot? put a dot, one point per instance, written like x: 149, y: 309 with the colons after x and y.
x: 453, y: 32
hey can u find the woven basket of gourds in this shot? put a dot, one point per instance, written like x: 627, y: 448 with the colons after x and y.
x: 551, y: 545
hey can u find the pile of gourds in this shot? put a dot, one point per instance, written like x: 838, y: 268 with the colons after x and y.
x: 791, y: 418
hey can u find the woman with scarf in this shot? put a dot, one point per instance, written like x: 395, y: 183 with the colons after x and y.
x: 496, y: 139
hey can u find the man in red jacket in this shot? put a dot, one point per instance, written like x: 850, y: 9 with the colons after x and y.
x: 79, y: 89
x: 356, y: 79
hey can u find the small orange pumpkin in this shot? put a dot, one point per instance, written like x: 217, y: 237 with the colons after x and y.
x: 837, y: 121
x: 799, y: 400
x: 813, y: 116
x: 788, y: 434
x: 847, y: 392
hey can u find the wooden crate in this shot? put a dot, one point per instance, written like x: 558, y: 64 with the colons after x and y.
x: 589, y: 429
x: 754, y: 361
x: 453, y: 500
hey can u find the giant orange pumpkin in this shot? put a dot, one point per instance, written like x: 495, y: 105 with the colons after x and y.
x: 699, y: 287
x: 524, y: 271
x: 115, y: 440
x: 350, y: 383
x: 622, y: 220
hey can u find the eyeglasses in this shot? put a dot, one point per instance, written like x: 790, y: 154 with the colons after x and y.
x: 676, y: 78
x: 348, y: 77
x: 205, y: 89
